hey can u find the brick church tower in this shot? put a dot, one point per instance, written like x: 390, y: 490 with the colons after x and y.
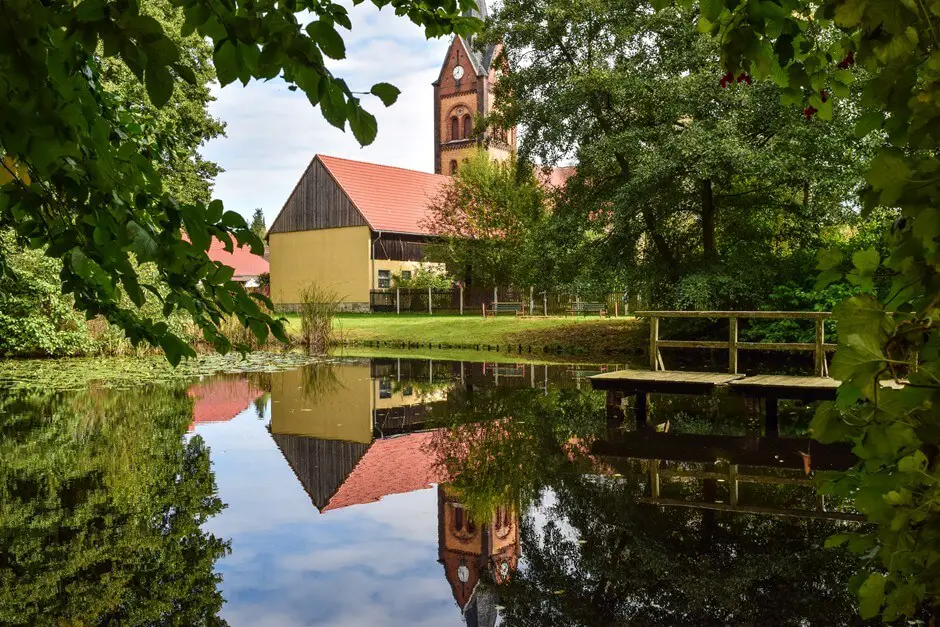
x: 464, y: 90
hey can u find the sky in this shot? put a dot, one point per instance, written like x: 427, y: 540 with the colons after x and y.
x: 272, y: 133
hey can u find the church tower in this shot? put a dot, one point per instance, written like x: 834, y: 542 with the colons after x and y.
x: 464, y: 90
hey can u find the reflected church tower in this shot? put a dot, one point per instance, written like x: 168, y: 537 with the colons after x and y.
x: 463, y: 91
x: 475, y: 557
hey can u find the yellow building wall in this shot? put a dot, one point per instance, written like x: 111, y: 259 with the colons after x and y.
x: 339, y: 408
x: 336, y: 259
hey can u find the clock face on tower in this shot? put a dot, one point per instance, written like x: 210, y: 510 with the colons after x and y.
x: 458, y: 72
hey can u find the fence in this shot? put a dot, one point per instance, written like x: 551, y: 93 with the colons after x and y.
x: 470, y: 301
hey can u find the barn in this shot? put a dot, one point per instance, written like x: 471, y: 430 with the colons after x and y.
x: 349, y: 226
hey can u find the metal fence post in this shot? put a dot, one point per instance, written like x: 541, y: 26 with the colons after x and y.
x: 430, y: 312
x: 733, y: 345
x: 461, y: 307
x: 397, y: 300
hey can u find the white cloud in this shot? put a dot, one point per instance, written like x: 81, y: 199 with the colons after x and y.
x: 272, y: 133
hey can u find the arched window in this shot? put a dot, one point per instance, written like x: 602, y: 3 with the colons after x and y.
x: 458, y: 518
x: 454, y: 128
x: 453, y: 166
x: 467, y: 126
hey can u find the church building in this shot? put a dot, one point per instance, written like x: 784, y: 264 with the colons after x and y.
x: 350, y: 226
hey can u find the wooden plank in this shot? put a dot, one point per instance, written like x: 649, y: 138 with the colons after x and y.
x: 794, y: 315
x: 664, y: 381
x: 779, y: 346
x: 787, y: 381
x: 755, y: 509
x: 785, y: 386
x: 691, y: 344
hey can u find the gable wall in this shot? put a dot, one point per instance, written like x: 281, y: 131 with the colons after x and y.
x: 317, y: 202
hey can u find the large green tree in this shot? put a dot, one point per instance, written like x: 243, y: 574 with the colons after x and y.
x: 703, y: 193
x: 81, y: 170
x: 811, y: 49
x: 489, y: 216
x: 103, y: 502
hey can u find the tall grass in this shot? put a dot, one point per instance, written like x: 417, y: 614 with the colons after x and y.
x: 318, y: 307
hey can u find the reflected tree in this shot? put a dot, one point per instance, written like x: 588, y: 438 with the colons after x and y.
x: 102, y: 502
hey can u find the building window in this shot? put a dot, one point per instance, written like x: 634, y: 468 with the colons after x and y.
x: 385, y: 388
x: 385, y: 279
x: 454, y: 128
x: 406, y: 275
x: 453, y: 166
x: 467, y: 126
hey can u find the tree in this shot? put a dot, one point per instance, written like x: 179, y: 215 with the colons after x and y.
x: 488, y: 217
x: 889, y: 333
x: 104, y: 499
x: 80, y: 170
x: 702, y: 193
x: 39, y: 320
x: 257, y: 223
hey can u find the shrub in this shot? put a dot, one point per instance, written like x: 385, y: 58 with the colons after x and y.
x: 318, y: 307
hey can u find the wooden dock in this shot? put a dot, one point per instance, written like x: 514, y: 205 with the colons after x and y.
x: 767, y: 389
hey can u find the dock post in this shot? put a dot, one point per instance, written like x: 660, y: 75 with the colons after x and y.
x: 397, y: 300
x: 654, y: 343
x: 545, y: 303
x: 821, y: 369
x: 614, y: 407
x: 641, y: 409
x: 771, y: 417
x: 461, y: 300
x: 733, y: 345
x: 430, y: 311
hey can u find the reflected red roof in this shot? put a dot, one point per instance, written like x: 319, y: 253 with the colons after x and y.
x: 220, y: 400
x: 393, y: 466
x: 389, y: 198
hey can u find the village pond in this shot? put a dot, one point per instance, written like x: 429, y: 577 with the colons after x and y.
x: 412, y: 492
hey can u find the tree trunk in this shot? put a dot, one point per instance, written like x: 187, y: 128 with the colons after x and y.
x: 708, y: 221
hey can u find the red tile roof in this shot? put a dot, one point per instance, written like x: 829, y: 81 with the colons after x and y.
x: 220, y: 400
x: 389, y: 198
x: 394, y: 466
x: 245, y: 264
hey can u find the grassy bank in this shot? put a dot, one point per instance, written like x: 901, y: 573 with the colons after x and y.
x: 586, y: 335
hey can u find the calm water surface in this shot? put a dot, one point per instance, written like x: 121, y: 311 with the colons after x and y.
x: 411, y: 492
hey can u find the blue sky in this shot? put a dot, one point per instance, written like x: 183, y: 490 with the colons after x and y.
x: 272, y: 133
x: 372, y: 564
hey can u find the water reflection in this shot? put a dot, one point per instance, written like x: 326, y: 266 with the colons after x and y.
x: 102, y: 502
x: 413, y: 492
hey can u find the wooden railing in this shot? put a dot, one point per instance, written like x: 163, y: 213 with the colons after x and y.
x: 818, y: 347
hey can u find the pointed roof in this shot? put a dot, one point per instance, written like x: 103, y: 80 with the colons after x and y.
x: 389, y: 198
x: 397, y: 465
x: 221, y: 399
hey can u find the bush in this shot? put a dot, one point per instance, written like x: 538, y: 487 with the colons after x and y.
x: 318, y: 307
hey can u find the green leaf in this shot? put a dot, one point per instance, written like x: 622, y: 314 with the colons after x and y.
x: 226, y: 63
x: 828, y: 258
x: 386, y: 92
x: 333, y: 106
x: 866, y: 261
x: 233, y: 220
x: 259, y: 329
x: 888, y: 169
x: 711, y: 9
x: 328, y: 40
x: 915, y: 462
x: 362, y: 124
x: 159, y: 83
x: 837, y: 540
x: 871, y: 595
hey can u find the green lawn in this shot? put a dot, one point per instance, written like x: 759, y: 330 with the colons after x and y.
x: 586, y: 334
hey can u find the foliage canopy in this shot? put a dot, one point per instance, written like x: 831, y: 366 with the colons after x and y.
x: 82, y: 167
